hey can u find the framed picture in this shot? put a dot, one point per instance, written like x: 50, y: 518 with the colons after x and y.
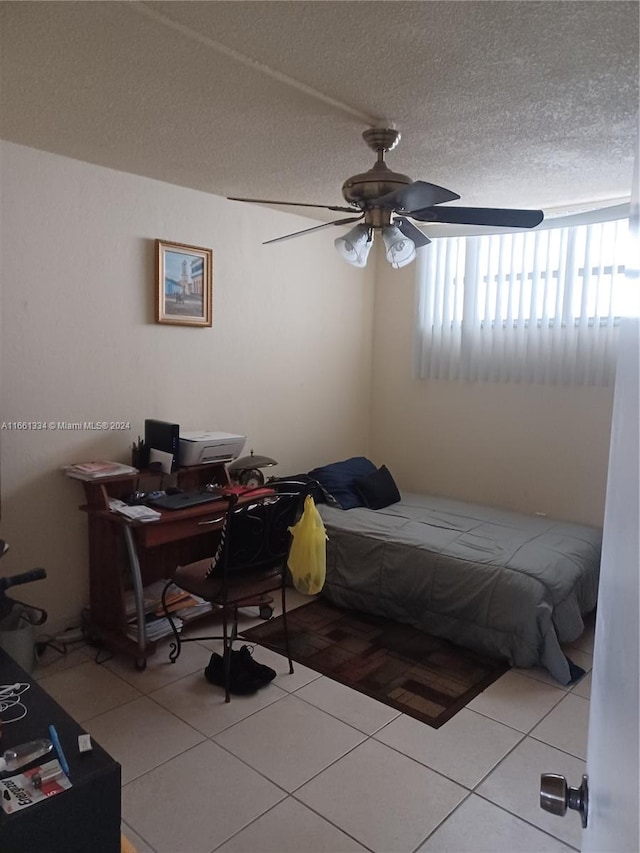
x: 184, y: 284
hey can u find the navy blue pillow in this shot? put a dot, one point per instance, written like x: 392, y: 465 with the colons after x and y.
x: 338, y: 479
x: 378, y: 489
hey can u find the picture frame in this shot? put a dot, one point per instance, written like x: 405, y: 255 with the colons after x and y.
x: 184, y: 284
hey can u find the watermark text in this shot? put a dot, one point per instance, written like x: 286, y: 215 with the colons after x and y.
x: 63, y: 426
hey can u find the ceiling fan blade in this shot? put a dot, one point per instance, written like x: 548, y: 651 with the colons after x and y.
x: 496, y: 216
x: 409, y: 230
x: 315, y: 228
x: 415, y: 196
x: 294, y: 204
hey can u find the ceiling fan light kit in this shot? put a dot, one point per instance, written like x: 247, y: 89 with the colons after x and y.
x: 386, y: 200
x: 355, y: 245
x: 399, y: 250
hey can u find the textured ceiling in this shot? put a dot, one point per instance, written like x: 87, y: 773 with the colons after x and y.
x: 524, y: 104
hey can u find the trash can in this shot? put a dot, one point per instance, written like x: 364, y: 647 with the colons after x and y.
x: 17, y: 620
x: 17, y: 636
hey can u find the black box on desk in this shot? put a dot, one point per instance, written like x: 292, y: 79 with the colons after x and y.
x: 161, y: 435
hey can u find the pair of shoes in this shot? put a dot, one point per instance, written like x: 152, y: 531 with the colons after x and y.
x: 246, y: 676
x: 241, y: 682
x: 259, y: 670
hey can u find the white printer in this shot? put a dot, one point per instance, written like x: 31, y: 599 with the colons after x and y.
x: 197, y: 448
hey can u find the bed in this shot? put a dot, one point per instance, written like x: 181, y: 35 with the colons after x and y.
x: 506, y: 584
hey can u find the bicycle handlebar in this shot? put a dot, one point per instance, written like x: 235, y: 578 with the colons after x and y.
x: 25, y: 577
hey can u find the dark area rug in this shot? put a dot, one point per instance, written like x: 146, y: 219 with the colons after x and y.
x: 422, y: 676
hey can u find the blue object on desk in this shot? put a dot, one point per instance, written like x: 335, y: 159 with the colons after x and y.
x: 58, y: 747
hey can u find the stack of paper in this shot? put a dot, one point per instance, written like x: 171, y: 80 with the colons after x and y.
x: 151, y: 597
x: 96, y: 470
x: 182, y: 605
x: 155, y: 627
x: 135, y: 513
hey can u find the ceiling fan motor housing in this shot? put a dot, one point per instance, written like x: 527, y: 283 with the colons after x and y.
x: 365, y: 187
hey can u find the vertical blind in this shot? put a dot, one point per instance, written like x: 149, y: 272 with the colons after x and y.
x: 536, y: 306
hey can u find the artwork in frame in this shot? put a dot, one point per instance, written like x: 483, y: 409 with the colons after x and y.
x: 184, y: 283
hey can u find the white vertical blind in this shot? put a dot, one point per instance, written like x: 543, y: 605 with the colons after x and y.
x: 534, y: 306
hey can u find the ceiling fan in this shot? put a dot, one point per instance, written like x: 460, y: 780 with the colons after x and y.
x: 385, y: 201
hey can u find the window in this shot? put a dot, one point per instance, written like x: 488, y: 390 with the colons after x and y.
x: 537, y: 306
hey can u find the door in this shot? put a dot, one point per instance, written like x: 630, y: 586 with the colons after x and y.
x: 613, y: 750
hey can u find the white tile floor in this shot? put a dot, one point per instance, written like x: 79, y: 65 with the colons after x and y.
x: 309, y: 766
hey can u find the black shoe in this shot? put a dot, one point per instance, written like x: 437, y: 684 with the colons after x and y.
x: 241, y: 682
x: 258, y: 670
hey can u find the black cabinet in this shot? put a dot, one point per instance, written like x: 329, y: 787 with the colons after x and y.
x: 84, y: 818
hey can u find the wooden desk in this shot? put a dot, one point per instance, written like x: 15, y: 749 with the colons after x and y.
x: 84, y: 818
x: 129, y: 555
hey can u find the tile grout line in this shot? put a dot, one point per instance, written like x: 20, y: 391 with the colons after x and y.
x: 340, y: 719
x: 366, y: 736
x: 504, y: 808
x: 528, y: 731
x: 304, y: 805
x: 225, y: 728
x: 152, y: 849
x: 544, y: 717
x: 527, y: 821
x: 306, y: 781
x: 443, y: 821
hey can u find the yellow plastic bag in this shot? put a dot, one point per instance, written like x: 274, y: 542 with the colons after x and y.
x: 308, y: 553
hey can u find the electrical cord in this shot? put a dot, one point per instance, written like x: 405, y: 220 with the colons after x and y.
x: 10, y: 701
x: 106, y: 652
x: 46, y: 641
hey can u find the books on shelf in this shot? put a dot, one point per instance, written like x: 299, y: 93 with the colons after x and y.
x: 96, y: 470
x: 155, y: 627
x: 182, y: 605
x: 190, y: 611
x: 175, y: 603
x: 151, y: 598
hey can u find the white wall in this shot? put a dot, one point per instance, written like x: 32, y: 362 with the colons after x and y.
x: 531, y: 448
x: 287, y: 361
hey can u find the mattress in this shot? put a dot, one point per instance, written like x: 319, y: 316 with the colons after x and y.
x: 503, y: 583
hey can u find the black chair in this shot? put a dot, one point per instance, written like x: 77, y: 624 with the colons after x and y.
x: 249, y: 564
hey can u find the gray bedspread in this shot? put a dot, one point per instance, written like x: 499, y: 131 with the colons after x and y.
x: 508, y: 585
